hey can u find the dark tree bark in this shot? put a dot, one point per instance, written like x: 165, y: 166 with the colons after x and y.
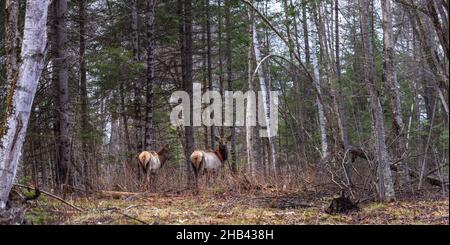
x: 150, y: 9
x: 137, y: 94
x: 84, y: 112
x: 61, y: 80
x: 12, y: 40
x: 385, y: 183
x: 186, y: 49
x: 342, y: 112
x: 229, y: 61
x: 443, y: 37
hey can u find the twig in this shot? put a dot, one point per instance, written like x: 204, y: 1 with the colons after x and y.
x: 130, y: 217
x: 53, y: 196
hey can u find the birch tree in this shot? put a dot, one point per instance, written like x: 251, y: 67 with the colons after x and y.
x: 209, y: 69
x: 250, y: 135
x: 390, y: 77
x: 22, y: 94
x: 320, y: 108
x: 265, y: 98
x: 385, y: 183
x: 12, y: 39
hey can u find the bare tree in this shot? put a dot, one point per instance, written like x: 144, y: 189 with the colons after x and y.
x: 209, y: 58
x: 136, y: 85
x: 151, y: 5
x: 85, y: 131
x: 390, y: 77
x: 12, y: 39
x: 229, y: 63
x: 22, y: 94
x: 250, y: 130
x: 385, y: 183
x: 187, y: 67
x: 320, y: 106
x: 263, y: 84
x: 60, y: 78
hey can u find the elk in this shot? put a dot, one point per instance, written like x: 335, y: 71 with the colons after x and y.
x: 209, y: 162
x: 152, y: 161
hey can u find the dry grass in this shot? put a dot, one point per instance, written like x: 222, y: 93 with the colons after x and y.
x: 222, y: 206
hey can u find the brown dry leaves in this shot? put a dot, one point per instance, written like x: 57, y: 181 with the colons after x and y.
x: 223, y: 208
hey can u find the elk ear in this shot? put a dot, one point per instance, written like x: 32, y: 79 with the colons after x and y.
x: 217, y: 138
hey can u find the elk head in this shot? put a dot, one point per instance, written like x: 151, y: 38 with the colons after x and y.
x: 223, y: 148
x: 163, y: 154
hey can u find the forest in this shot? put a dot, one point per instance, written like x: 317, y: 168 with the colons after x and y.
x: 224, y: 112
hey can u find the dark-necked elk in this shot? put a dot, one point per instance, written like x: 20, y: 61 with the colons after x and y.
x: 152, y: 161
x: 209, y: 162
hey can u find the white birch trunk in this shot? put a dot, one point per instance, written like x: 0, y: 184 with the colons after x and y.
x: 322, y: 119
x: 391, y: 79
x: 33, y: 52
x: 249, y: 129
x: 265, y: 97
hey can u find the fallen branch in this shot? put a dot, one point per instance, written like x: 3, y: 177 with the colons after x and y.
x: 52, y: 196
x: 130, y: 217
x: 116, y: 210
x: 119, y: 193
x: 414, y: 174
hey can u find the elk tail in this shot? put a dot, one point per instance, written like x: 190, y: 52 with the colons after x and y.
x: 144, y: 159
x: 197, y: 161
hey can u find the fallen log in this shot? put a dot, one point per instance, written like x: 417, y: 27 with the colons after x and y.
x: 119, y: 194
x: 414, y: 174
x: 356, y: 152
x: 52, y: 196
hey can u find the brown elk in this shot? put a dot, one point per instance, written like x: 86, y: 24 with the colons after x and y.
x: 209, y: 162
x: 152, y: 161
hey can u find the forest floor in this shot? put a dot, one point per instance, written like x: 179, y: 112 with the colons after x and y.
x: 219, y: 207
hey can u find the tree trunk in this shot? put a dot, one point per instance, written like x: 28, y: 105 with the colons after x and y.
x: 265, y: 98
x: 219, y: 37
x: 151, y: 4
x: 306, y: 34
x: 390, y: 77
x: 230, y: 82
x: 209, y: 56
x: 342, y: 112
x: 12, y: 39
x: 322, y: 119
x: 385, y: 184
x: 299, y: 135
x: 427, y: 44
x: 443, y: 38
x: 61, y: 79
x: 188, y: 82
x: 136, y: 85
x: 250, y: 130
x: 22, y: 94
x: 85, y: 131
